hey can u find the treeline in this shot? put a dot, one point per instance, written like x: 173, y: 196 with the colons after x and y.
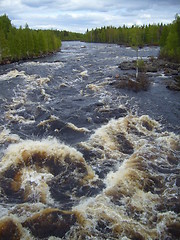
x: 144, y: 35
x: 24, y: 43
x: 165, y: 36
x: 170, y: 41
x: 70, y: 36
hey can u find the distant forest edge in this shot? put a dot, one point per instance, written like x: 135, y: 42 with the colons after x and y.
x: 25, y: 43
x: 165, y: 36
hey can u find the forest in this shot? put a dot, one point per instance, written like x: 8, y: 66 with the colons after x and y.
x: 165, y: 36
x: 70, y: 36
x: 25, y: 43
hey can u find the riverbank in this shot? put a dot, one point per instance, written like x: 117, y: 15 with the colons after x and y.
x: 9, y: 61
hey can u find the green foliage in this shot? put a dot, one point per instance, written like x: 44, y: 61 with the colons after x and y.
x: 171, y: 44
x: 135, y: 36
x: 24, y: 43
x: 70, y: 36
x: 141, y: 65
x: 5, y: 24
x: 166, y: 36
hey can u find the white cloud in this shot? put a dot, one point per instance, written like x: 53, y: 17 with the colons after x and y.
x: 146, y: 16
x: 78, y: 15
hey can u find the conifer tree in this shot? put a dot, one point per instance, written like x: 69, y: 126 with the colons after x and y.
x: 22, y: 43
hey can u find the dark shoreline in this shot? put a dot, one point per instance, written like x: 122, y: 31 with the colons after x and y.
x: 8, y: 61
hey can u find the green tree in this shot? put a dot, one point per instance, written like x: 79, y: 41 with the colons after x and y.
x: 4, y: 50
x: 5, y: 24
x: 136, y: 41
x: 171, y: 46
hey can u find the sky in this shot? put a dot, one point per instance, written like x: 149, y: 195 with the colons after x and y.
x: 80, y: 15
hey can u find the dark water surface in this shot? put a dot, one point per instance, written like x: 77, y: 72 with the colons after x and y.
x: 81, y: 159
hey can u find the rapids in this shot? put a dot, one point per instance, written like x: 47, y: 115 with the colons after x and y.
x: 81, y: 159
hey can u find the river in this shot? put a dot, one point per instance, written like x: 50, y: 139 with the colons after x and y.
x: 81, y: 159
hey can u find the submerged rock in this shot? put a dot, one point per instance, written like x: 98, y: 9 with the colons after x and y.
x: 102, y: 115
x: 127, y: 65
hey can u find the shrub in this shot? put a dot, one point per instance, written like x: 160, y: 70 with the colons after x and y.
x: 141, y: 65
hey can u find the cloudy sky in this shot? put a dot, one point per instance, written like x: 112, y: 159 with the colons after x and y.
x: 78, y: 15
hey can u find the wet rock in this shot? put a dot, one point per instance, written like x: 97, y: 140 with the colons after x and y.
x: 170, y: 72
x: 129, y: 82
x: 127, y: 65
x: 51, y: 222
x: 103, y: 115
x: 173, y: 87
x: 151, y: 68
x: 147, y: 66
x: 163, y: 64
x: 174, y: 84
x: 178, y: 70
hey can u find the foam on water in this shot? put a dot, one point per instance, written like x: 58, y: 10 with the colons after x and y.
x: 30, y: 83
x: 27, y: 167
x: 84, y: 73
x: 53, y: 65
x: 6, y: 136
x: 47, y: 121
x: 122, y: 136
x: 72, y: 126
x: 12, y: 74
x: 116, y: 176
x: 136, y: 201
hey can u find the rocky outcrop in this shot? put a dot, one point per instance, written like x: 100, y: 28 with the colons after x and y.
x: 130, y: 82
x: 174, y: 84
x: 153, y: 65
